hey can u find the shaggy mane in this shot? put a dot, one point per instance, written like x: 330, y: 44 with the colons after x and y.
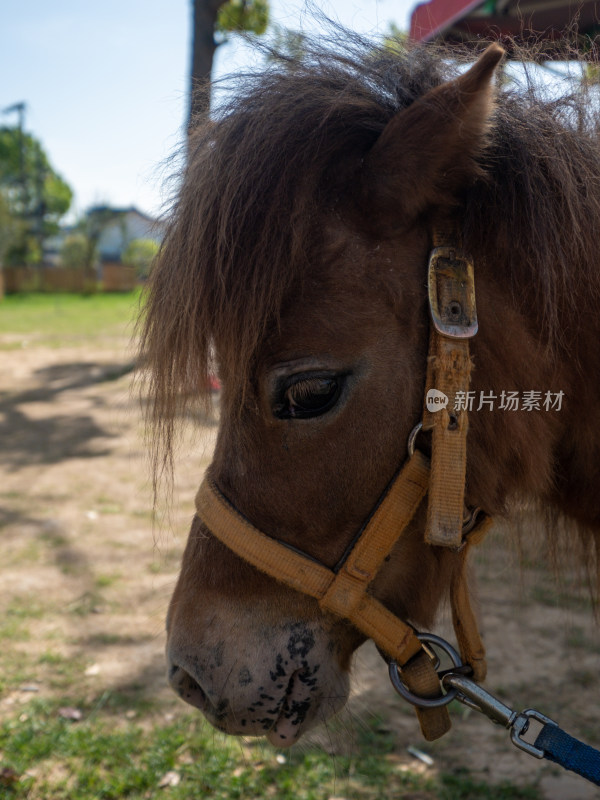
x: 285, y: 148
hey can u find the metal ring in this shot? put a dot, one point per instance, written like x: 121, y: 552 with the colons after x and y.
x: 412, y: 439
x: 426, y: 702
x: 471, y: 519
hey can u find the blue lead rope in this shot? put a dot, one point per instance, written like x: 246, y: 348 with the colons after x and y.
x: 552, y: 742
x: 569, y: 752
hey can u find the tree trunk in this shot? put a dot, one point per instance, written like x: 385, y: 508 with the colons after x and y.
x: 203, y: 50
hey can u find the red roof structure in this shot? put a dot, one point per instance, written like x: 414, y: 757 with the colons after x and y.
x: 469, y: 21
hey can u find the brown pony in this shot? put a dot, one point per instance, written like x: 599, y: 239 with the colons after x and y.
x: 295, y: 263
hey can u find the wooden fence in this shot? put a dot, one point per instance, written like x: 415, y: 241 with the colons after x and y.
x: 118, y: 278
x: 115, y: 278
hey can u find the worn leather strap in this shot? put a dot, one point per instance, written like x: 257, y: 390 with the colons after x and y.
x: 464, y: 620
x: 422, y: 679
x: 454, y: 320
x: 451, y: 367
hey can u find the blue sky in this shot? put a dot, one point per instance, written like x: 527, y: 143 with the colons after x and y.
x: 106, y: 83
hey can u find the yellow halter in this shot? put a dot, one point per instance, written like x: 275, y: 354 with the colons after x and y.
x: 343, y: 591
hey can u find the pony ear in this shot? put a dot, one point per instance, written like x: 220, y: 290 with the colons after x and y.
x: 427, y: 152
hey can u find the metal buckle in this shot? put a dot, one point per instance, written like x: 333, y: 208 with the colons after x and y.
x: 451, y: 289
x: 521, y: 726
x: 412, y: 439
x: 517, y: 722
x: 447, y: 695
x: 471, y: 518
x: 455, y: 685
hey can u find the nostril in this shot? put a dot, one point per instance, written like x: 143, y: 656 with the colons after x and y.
x: 187, y: 687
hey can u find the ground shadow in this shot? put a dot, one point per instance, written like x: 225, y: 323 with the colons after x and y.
x: 55, y: 437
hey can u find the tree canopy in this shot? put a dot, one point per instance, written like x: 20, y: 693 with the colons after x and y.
x: 243, y: 15
x: 33, y: 195
x: 212, y: 21
x: 140, y: 254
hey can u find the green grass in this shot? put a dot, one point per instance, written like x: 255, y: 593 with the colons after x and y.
x: 14, y: 618
x: 86, y: 603
x: 50, y: 669
x: 109, y: 756
x: 66, y: 318
x: 555, y: 597
x: 576, y: 639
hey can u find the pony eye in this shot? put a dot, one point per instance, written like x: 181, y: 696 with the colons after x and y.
x: 308, y: 397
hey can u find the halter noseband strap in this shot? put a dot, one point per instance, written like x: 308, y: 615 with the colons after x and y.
x: 344, y: 590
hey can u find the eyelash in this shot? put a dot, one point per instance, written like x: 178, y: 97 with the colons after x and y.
x: 307, y: 396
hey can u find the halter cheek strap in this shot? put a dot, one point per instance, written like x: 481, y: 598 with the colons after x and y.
x: 451, y: 290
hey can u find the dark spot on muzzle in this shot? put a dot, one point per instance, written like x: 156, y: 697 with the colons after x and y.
x: 301, y: 642
x: 298, y: 711
x: 245, y: 677
x: 307, y: 675
x: 279, y: 671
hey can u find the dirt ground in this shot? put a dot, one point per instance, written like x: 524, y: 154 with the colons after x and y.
x: 87, y: 571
